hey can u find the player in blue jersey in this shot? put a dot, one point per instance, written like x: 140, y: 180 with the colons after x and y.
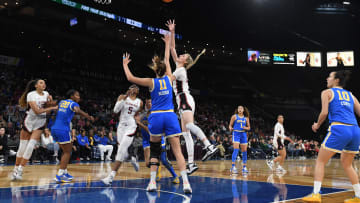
x: 143, y: 124
x: 343, y: 134
x: 239, y: 124
x: 162, y: 120
x: 61, y: 131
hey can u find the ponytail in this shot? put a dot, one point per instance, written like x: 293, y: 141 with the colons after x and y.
x: 30, y: 86
x: 158, y: 66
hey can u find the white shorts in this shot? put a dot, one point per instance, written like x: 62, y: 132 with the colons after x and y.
x: 32, y: 123
x: 125, y: 130
x: 185, y: 103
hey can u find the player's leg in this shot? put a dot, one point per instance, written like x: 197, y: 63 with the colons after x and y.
x: 24, y: 140
x: 191, y: 167
x: 243, y: 146
x: 168, y: 165
x: 34, y: 138
x: 236, y: 143
x: 172, y: 131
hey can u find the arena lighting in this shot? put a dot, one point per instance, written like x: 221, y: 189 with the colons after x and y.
x: 112, y: 16
x: 346, y: 2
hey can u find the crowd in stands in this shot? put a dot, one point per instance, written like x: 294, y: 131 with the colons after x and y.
x: 97, y: 140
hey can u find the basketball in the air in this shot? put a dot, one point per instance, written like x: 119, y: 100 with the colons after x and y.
x: 167, y: 1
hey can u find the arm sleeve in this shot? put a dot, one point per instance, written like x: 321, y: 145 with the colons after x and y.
x: 118, y: 106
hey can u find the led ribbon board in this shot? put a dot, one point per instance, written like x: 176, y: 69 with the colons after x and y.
x: 114, y: 17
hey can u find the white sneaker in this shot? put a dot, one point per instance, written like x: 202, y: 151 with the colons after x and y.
x: 280, y: 169
x: 151, y: 187
x: 19, y: 174
x: 107, y: 181
x: 135, y: 163
x: 191, y: 168
x: 211, y: 151
x: 270, y: 164
x: 187, y: 188
x: 108, y: 159
x: 13, y: 175
x: 234, y: 170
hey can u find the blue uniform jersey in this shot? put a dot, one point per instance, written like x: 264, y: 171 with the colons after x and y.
x: 162, y: 95
x: 239, y: 123
x: 341, y: 107
x: 64, y: 115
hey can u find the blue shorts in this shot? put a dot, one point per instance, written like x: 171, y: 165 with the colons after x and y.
x: 342, y: 138
x: 239, y: 137
x: 146, y: 141
x: 61, y: 136
x: 165, y: 123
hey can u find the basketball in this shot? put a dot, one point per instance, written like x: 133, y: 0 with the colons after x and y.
x: 167, y: 1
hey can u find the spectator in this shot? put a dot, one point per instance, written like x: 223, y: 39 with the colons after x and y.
x: 47, y: 143
x: 84, y: 146
x: 3, y: 123
x: 220, y: 147
x: 104, y: 145
x: 4, y: 150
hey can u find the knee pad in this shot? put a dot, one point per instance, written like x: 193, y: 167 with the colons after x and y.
x: 154, y: 164
x: 22, y: 148
x: 29, y: 149
x: 155, y: 150
x: 192, y: 127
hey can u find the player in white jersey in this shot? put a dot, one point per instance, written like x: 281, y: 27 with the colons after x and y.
x: 278, y: 142
x: 128, y: 105
x: 186, y: 104
x: 34, y: 97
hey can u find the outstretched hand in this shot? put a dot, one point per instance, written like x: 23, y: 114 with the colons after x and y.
x: 171, y: 25
x: 166, y: 38
x: 126, y: 58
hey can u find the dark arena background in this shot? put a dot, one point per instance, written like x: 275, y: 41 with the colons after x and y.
x: 256, y: 57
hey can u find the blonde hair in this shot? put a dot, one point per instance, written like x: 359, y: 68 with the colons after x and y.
x: 190, y: 62
x: 158, y: 66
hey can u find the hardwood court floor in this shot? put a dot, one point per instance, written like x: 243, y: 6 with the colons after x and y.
x: 299, y: 172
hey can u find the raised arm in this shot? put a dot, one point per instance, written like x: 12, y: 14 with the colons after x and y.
x: 325, y: 99
x: 166, y: 39
x: 145, y: 82
x: 120, y: 102
x: 171, y: 25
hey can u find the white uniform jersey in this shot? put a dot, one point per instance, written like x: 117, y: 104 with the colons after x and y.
x: 127, y: 109
x: 181, y: 84
x: 279, y: 132
x: 32, y: 120
x: 40, y: 101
